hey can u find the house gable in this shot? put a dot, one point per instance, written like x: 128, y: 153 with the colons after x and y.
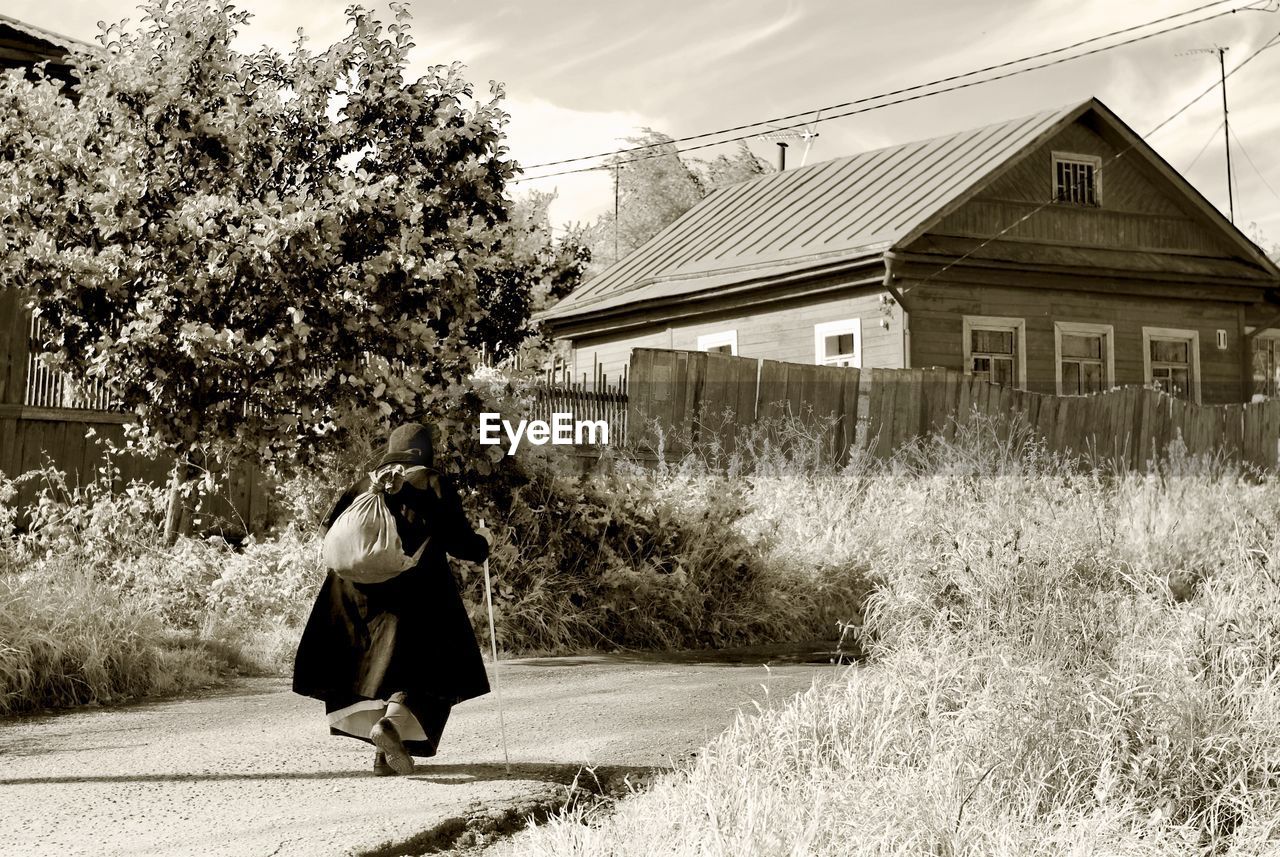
x: 1148, y: 217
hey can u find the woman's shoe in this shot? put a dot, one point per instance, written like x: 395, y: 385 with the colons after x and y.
x: 380, y: 766
x: 387, y: 739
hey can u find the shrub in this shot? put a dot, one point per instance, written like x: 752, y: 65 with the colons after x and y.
x: 634, y: 558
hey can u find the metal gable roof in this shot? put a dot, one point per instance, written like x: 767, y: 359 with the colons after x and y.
x: 832, y: 212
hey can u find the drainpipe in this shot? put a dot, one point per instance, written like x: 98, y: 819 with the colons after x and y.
x: 889, y: 259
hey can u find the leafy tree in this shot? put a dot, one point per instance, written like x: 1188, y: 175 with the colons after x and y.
x: 533, y: 272
x: 250, y: 249
x: 729, y: 169
x: 1257, y: 236
x: 654, y: 187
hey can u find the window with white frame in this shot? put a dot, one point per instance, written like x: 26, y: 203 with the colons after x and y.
x: 995, y: 349
x: 838, y: 343
x: 723, y: 342
x: 1171, y: 361
x: 1076, y: 179
x: 1266, y: 363
x: 1085, y: 357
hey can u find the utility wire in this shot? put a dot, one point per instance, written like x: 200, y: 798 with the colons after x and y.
x: 892, y: 93
x: 1247, y: 157
x: 889, y: 95
x: 1212, y: 136
x: 1111, y: 160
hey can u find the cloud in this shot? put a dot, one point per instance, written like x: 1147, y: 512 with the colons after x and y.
x: 542, y: 131
x: 708, y: 51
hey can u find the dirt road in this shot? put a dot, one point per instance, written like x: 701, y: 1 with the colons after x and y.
x: 252, y: 770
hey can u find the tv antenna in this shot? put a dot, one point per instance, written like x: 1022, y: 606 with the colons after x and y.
x: 1226, y: 127
x: 780, y: 136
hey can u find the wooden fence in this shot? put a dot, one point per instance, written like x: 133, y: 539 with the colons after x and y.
x: 74, y: 442
x: 47, y: 419
x: 681, y: 401
x: 1129, y: 426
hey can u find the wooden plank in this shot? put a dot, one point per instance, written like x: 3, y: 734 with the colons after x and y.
x: 1271, y: 435
x: 717, y: 414
x: 1144, y: 428
x: 639, y: 397
x: 747, y: 373
x: 1031, y: 413
x: 903, y: 431
x: 1126, y: 439
x: 1111, y: 443
x: 964, y: 400
x: 912, y: 406
x: 14, y: 322
x: 939, y: 408
x: 949, y: 403
x: 874, y: 379
x: 886, y: 390
x: 850, y: 392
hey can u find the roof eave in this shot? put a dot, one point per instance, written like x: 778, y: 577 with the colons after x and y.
x: 1086, y: 273
x: 48, y: 36
x: 870, y: 269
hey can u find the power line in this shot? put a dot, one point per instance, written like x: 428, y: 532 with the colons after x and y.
x: 1111, y: 160
x: 1212, y: 135
x: 1249, y: 158
x: 889, y: 94
x: 893, y: 94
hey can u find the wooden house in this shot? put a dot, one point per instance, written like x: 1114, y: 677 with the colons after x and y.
x: 1055, y: 252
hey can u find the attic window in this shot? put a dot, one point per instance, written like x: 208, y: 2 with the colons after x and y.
x: 1075, y: 179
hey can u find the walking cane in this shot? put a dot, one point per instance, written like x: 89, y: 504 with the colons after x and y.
x: 493, y: 644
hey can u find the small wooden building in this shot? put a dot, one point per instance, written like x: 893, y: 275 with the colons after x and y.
x: 23, y: 46
x: 1055, y: 252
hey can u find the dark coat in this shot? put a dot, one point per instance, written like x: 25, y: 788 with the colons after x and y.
x: 410, y: 633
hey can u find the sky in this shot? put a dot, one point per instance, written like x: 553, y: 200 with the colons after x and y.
x: 582, y: 75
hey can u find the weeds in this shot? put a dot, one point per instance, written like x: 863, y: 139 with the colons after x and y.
x: 1062, y: 660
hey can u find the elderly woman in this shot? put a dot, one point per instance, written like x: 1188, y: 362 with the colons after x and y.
x: 389, y: 660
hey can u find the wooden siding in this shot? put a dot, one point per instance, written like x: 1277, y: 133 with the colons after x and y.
x: 783, y: 333
x: 612, y: 353
x: 938, y: 310
x: 1139, y: 210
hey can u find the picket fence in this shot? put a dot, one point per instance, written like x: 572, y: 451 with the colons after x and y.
x: 598, y: 399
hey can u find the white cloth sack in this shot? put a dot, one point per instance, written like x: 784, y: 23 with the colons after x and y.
x: 363, y: 545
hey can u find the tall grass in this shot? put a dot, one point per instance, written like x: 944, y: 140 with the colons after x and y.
x: 1062, y: 661
x: 91, y: 599
x: 94, y: 609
